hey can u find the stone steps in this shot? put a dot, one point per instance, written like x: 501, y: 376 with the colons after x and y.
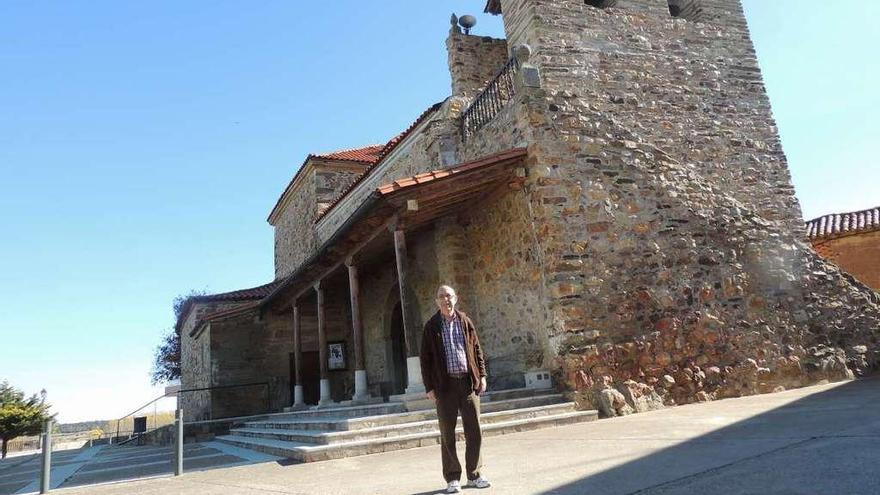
x: 418, y: 424
x: 345, y: 411
x: 513, y: 393
x: 298, y: 421
x: 310, y: 452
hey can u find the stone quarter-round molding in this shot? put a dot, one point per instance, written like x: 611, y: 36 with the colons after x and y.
x: 522, y: 53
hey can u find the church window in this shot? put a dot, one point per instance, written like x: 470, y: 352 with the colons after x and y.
x: 685, y: 9
x: 600, y: 4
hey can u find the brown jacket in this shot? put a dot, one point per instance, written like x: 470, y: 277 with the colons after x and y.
x: 433, y: 355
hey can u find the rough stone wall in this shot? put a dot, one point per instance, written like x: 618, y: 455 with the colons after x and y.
x: 195, y: 360
x: 692, y: 89
x: 321, y: 182
x: 858, y: 255
x: 295, y: 228
x: 503, y: 260
x: 379, y: 294
x: 473, y: 61
x: 239, y: 356
x: 331, y: 178
x: 195, y: 371
x: 669, y: 233
x: 419, y: 152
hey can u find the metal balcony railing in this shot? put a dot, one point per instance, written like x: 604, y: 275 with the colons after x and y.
x: 490, y: 100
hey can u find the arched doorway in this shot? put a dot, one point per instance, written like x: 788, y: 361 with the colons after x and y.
x: 398, y: 351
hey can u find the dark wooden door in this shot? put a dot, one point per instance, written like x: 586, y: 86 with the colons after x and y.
x: 311, y: 377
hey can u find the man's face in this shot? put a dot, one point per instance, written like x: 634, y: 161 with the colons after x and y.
x: 446, y: 300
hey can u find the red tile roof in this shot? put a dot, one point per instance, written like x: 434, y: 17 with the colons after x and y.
x: 386, y: 150
x: 249, y: 294
x: 366, y: 154
x: 384, y: 202
x: 439, y: 174
x: 841, y: 224
x: 238, y: 295
x: 228, y: 312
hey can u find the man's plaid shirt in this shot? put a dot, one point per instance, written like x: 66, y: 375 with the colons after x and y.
x: 453, y: 344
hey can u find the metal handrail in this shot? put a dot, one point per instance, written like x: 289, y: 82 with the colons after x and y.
x: 490, y: 100
x: 201, y: 389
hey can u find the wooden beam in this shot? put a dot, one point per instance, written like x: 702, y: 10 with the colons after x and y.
x: 409, y: 325
x: 447, y: 191
x: 322, y: 331
x: 297, y: 345
x: 357, y: 333
x: 348, y: 254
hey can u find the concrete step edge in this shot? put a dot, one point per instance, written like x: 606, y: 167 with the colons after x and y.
x: 517, y: 391
x: 354, y: 420
x: 487, y: 418
x: 302, y: 448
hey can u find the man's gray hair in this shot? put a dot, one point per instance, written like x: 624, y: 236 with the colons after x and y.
x: 448, y: 287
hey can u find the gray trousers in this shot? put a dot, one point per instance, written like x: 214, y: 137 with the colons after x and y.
x: 458, y: 397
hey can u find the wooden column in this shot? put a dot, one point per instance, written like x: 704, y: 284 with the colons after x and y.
x: 322, y: 346
x: 356, y: 325
x: 403, y: 285
x: 297, y: 357
x: 357, y: 333
x: 413, y: 367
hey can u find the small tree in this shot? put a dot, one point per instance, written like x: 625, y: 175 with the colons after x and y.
x: 166, y: 366
x: 166, y: 361
x: 19, y: 416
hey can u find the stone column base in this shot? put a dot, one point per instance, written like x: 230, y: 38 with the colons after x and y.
x: 413, y: 402
x: 414, y: 376
x: 325, y: 399
x: 298, y: 402
x: 360, y: 386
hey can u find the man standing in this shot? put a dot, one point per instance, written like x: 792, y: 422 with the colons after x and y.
x: 454, y: 374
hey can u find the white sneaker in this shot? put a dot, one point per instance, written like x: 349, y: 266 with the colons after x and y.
x: 478, y: 483
x: 453, y: 487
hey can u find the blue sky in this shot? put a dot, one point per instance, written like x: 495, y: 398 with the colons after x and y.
x: 142, y: 146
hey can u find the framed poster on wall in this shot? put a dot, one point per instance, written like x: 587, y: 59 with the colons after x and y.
x: 336, y: 359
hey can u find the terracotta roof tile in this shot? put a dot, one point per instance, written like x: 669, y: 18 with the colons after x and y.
x: 366, y: 154
x: 840, y: 224
x: 239, y: 295
x: 216, y: 315
x: 439, y: 174
x: 386, y: 150
x: 243, y: 295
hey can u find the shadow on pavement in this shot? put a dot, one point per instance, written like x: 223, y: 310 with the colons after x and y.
x: 825, y: 443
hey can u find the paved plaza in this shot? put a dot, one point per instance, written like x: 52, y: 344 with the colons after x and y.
x: 816, y: 440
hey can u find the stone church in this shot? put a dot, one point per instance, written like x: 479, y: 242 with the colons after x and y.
x: 607, y: 191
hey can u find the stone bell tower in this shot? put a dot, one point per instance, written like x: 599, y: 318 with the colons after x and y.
x: 671, y: 239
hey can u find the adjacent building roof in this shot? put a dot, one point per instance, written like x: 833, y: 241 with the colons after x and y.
x: 437, y: 193
x: 386, y: 150
x: 366, y: 154
x: 842, y: 224
x: 224, y: 313
x: 241, y: 295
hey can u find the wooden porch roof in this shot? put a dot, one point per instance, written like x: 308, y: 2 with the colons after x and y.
x: 407, y: 203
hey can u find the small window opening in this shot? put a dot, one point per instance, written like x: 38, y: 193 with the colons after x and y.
x: 601, y: 4
x: 691, y: 10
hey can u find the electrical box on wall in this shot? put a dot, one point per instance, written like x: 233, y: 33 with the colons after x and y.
x: 538, y: 379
